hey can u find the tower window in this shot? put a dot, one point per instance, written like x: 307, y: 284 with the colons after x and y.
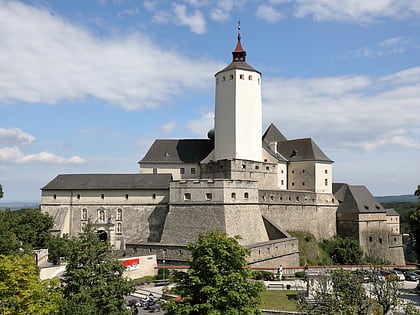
x: 192, y: 170
x: 282, y: 182
x: 78, y: 196
x: 126, y: 196
x: 267, y: 168
x: 257, y: 167
x: 153, y: 196
x: 102, y: 196
x: 208, y: 196
x: 303, y: 183
x: 326, y: 171
x: 223, y: 78
x: 259, y: 81
x: 243, y: 166
x: 246, y: 195
x: 241, y: 76
x: 233, y: 195
x: 293, y: 184
x: 231, y: 77
x: 187, y: 196
x: 326, y: 182
x: 119, y: 228
x: 154, y: 170
x: 182, y: 170
x: 55, y: 196
x: 250, y: 77
x: 303, y: 171
x: 119, y: 214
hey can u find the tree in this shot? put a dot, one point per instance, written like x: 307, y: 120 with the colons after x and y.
x: 21, y: 290
x: 341, y: 292
x: 30, y: 227
x: 417, y: 192
x: 385, y: 291
x: 58, y: 247
x: 93, y: 279
x: 343, y: 250
x: 1, y: 191
x: 218, y: 280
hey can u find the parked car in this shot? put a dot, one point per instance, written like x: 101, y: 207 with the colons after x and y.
x: 417, y: 272
x: 397, y: 274
x: 411, y: 276
x: 403, y: 270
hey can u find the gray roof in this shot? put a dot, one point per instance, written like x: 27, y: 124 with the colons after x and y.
x: 354, y: 198
x: 109, y: 181
x: 178, y: 151
x: 301, y: 150
x: 391, y: 211
x: 238, y: 65
x: 272, y: 134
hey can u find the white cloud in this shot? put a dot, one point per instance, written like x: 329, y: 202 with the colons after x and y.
x: 359, y: 11
x: 15, y: 136
x: 269, y: 14
x: 352, y: 112
x: 396, y: 45
x: 195, y: 21
x: 222, y: 9
x: 395, y: 41
x: 15, y: 155
x: 46, y: 59
x: 169, y: 126
x: 202, y: 125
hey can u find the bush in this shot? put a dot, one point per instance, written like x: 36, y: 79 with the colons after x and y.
x: 261, y: 275
x: 300, y: 274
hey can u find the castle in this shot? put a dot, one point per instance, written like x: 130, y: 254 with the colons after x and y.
x: 236, y: 181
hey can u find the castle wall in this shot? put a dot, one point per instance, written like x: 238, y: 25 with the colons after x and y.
x: 178, y: 171
x: 372, y: 232
x: 203, y: 205
x: 274, y: 253
x: 266, y: 174
x: 300, y: 211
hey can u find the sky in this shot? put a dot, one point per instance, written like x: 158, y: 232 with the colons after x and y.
x: 87, y: 85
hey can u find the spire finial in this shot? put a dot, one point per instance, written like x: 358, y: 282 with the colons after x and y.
x: 239, y: 54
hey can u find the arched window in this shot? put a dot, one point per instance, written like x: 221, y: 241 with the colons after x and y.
x: 119, y: 215
x: 119, y: 228
x: 84, y: 214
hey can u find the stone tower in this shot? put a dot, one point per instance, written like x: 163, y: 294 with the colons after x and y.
x: 238, y: 110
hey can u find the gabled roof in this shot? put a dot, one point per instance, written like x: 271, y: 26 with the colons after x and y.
x: 109, y: 181
x: 301, y: 150
x: 356, y: 199
x: 272, y: 134
x: 178, y: 151
x: 392, y: 212
x: 276, y: 155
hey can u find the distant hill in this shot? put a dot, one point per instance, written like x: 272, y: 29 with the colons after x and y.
x: 401, y: 198
x: 15, y: 205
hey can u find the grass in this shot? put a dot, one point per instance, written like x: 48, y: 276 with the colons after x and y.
x: 284, y: 300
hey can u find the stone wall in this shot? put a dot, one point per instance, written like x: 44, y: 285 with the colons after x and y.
x: 274, y: 253
x: 300, y: 211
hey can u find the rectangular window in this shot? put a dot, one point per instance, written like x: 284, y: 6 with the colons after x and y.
x: 126, y: 196
x: 102, y: 196
x: 78, y: 196
x: 154, y: 170
x: 241, y: 76
x: 326, y: 182
x: 182, y: 170
x: 55, y: 196
x: 246, y: 195
x: 208, y: 196
x: 187, y: 196
x: 192, y: 170
x: 233, y: 195
x: 153, y: 196
x: 250, y: 77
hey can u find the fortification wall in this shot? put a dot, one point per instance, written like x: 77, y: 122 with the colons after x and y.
x: 274, y: 253
x: 300, y: 211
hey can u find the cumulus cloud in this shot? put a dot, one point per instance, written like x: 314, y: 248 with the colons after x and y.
x: 396, y: 45
x: 169, y: 126
x: 202, y: 125
x: 14, y: 155
x: 15, y: 136
x: 269, y: 14
x: 347, y: 112
x: 47, y: 59
x: 195, y: 21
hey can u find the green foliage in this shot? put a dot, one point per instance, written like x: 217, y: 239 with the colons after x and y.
x: 261, y: 275
x: 1, y: 191
x: 343, y: 250
x: 340, y: 293
x: 414, y: 222
x: 28, y: 227
x: 58, y: 247
x: 217, y: 281
x: 93, y: 281
x: 405, y: 210
x: 385, y: 292
x: 300, y: 274
x: 310, y: 252
x: 21, y: 290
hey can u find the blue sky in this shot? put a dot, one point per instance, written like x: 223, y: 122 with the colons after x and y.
x: 86, y: 86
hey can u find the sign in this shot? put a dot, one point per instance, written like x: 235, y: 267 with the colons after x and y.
x: 131, y: 263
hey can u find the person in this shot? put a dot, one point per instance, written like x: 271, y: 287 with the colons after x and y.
x: 280, y: 272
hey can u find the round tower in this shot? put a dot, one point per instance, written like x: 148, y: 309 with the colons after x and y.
x: 238, y: 109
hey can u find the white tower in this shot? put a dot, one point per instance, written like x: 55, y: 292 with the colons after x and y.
x: 238, y: 110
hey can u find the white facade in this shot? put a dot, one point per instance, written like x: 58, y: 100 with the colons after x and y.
x: 238, y: 115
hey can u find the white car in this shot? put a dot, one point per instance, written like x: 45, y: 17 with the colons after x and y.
x: 398, y: 274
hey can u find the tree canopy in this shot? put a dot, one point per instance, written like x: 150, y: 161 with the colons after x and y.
x: 21, y: 290
x: 1, y: 191
x: 218, y: 280
x: 25, y: 229
x: 343, y: 250
x: 93, y: 279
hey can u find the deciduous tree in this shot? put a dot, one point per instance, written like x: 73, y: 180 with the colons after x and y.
x: 93, y: 280
x: 218, y: 280
x: 21, y: 290
x: 344, y: 250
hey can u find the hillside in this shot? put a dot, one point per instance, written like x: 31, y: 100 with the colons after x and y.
x: 401, y: 198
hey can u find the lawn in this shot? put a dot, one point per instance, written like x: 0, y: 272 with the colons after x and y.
x: 284, y: 300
